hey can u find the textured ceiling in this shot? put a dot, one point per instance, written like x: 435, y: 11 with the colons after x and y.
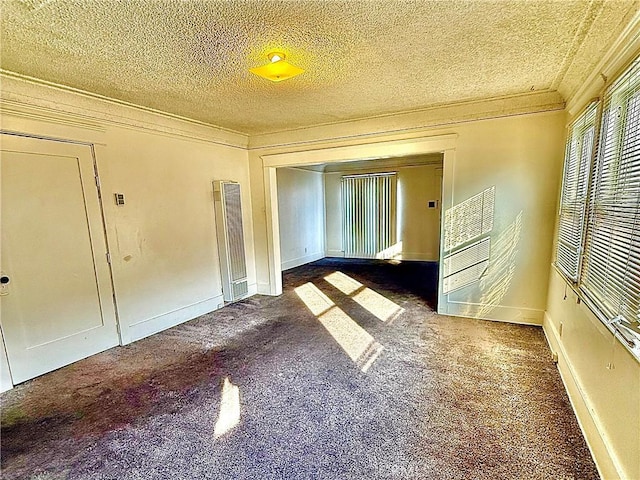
x: 362, y: 58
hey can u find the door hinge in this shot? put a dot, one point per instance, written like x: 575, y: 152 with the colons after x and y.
x: 108, y: 255
x: 97, y: 181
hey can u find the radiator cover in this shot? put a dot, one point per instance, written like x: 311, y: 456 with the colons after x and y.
x: 233, y: 262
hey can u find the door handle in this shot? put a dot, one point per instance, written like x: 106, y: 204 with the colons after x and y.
x: 4, y: 280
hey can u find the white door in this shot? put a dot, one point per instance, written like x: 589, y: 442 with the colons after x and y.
x: 57, y: 306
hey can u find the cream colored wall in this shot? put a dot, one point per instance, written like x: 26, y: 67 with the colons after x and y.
x: 162, y: 242
x: 333, y: 209
x: 519, y: 155
x: 602, y: 378
x: 301, y: 214
x: 418, y: 227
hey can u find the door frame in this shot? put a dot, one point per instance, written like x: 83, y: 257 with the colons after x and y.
x: 445, y: 144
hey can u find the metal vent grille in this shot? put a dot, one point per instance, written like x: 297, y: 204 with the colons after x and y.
x: 233, y: 265
x: 240, y: 289
x: 235, y: 237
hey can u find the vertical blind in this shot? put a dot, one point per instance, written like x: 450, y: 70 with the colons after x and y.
x: 368, y: 214
x: 610, y: 274
x: 575, y: 181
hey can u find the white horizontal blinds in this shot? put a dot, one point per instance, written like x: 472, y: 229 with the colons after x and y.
x: 611, y: 265
x: 368, y: 204
x: 574, y: 191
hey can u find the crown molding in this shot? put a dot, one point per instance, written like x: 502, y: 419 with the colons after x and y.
x: 624, y: 49
x: 35, y: 99
x: 35, y: 112
x: 593, y: 11
x: 371, y: 151
x: 416, y: 120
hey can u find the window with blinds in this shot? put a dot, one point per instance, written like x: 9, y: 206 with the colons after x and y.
x: 574, y: 191
x: 368, y: 214
x: 610, y: 275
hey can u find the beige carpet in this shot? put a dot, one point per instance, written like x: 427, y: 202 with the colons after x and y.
x: 348, y: 375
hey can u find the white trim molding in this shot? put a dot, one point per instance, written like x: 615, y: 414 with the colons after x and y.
x: 296, y: 262
x: 494, y: 313
x: 368, y: 151
x: 415, y: 122
x: 607, y: 466
x: 31, y: 99
x: 417, y: 145
x: 626, y: 46
x: 149, y: 326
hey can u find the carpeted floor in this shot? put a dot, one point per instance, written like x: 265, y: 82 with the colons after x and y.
x: 347, y: 375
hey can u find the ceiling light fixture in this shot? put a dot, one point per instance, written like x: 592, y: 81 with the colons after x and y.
x: 278, y: 69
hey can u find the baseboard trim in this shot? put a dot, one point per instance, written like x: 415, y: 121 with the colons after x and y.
x: 497, y: 313
x: 264, y: 288
x: 417, y: 257
x: 162, y: 322
x: 296, y: 262
x: 404, y: 256
x: 582, y: 407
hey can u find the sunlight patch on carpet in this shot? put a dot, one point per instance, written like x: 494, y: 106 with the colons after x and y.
x: 378, y: 305
x: 357, y: 343
x: 344, y: 283
x: 314, y: 298
x: 229, y: 415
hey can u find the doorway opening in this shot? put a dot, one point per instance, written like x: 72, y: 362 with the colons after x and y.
x: 383, y: 213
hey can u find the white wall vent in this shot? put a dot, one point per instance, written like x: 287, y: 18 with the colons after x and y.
x: 233, y: 263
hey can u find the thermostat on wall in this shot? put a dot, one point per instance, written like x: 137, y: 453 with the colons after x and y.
x: 119, y: 198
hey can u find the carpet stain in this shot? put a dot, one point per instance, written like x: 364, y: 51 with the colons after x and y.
x: 446, y: 398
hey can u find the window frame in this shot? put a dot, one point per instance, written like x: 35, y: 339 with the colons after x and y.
x: 616, y: 317
x: 587, y: 120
